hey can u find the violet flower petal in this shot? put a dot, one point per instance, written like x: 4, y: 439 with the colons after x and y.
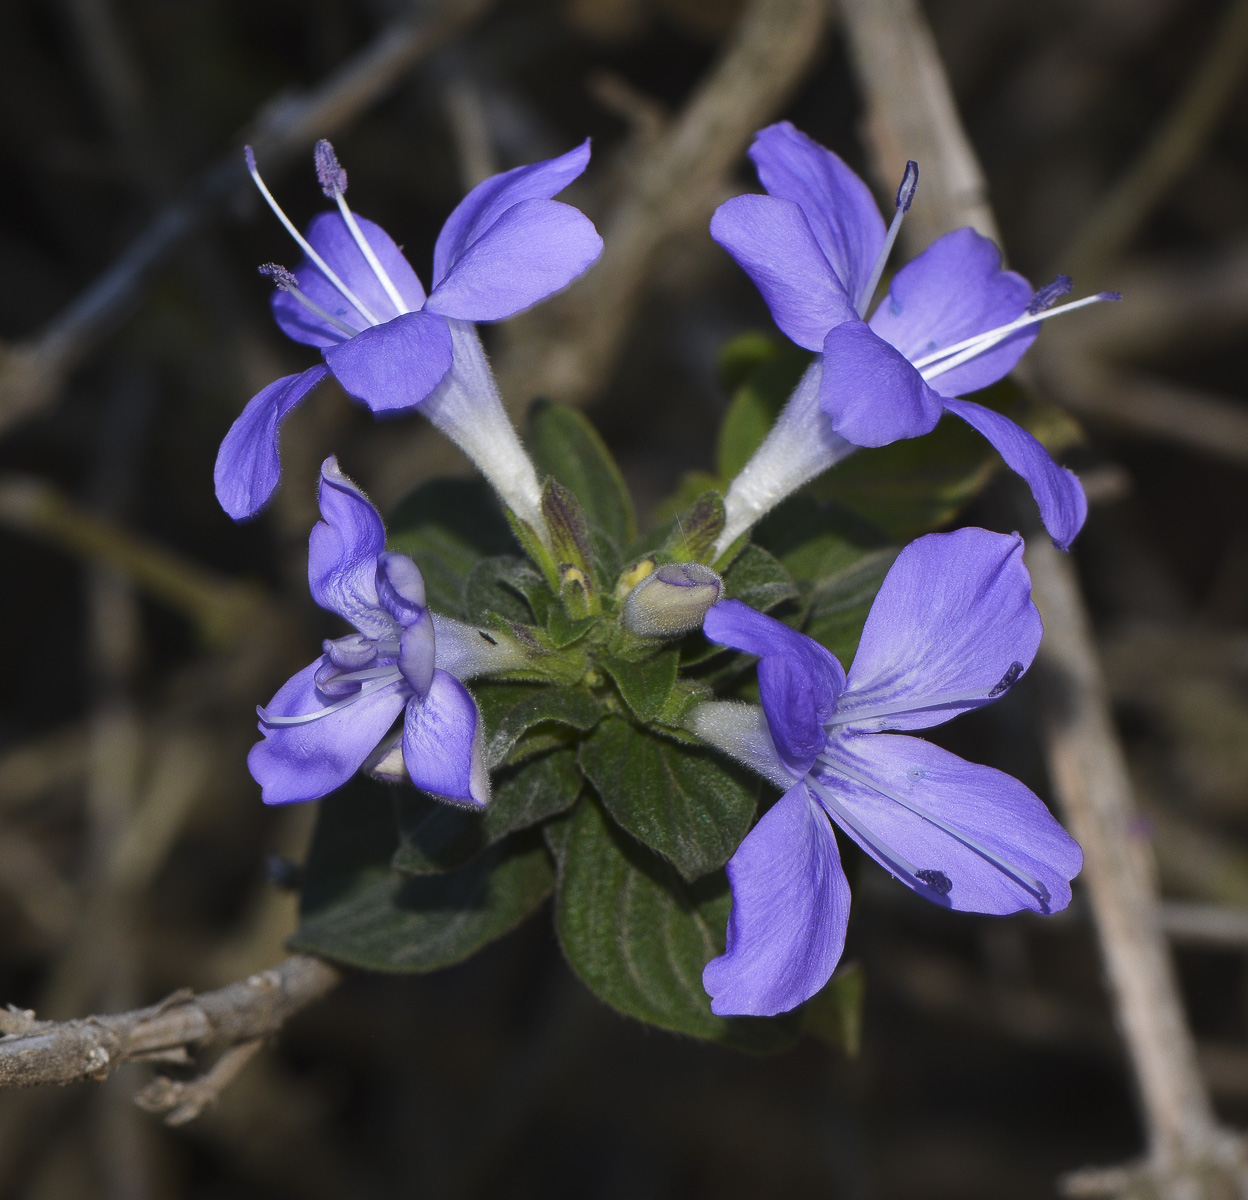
x: 394, y: 366
x: 772, y: 241
x: 952, y: 291
x: 798, y: 679
x: 302, y: 762
x: 483, y: 206
x: 952, y: 627
x: 248, y: 468
x: 417, y: 646
x: 871, y: 392
x: 332, y: 240
x: 839, y: 206
x: 984, y: 805
x: 790, y: 908
x: 534, y: 249
x: 442, y: 743
x: 342, y: 554
x: 1058, y: 492
x: 400, y: 587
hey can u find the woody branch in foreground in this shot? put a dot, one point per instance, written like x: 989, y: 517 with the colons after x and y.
x: 35, y: 1052
x: 912, y: 114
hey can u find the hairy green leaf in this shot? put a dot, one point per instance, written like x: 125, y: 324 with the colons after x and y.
x: 759, y: 579
x: 645, y: 686
x: 639, y: 937
x: 507, y: 587
x: 565, y: 445
x: 509, y: 710
x: 356, y: 909
x: 682, y: 801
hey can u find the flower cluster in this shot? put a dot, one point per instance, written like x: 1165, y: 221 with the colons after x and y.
x: 952, y: 628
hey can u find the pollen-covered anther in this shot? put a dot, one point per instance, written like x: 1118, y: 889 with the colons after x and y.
x: 284, y: 278
x: 908, y: 186
x: 905, y: 197
x: 1008, y: 680
x: 329, y: 171
x: 938, y: 881
x: 1048, y: 295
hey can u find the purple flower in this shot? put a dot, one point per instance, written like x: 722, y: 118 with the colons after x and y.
x: 953, y: 322
x: 356, y: 299
x: 953, y: 628
x: 326, y: 721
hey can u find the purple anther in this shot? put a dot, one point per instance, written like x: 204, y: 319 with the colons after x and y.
x: 909, y: 185
x: 329, y: 171
x: 1048, y: 295
x: 283, y: 278
x: 249, y: 157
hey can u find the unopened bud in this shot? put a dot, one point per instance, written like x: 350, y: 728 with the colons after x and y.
x: 672, y: 601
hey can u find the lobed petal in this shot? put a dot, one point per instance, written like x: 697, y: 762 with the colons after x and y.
x: 952, y: 291
x: 839, y: 207
x: 442, y: 743
x: 799, y: 681
x: 342, y: 553
x: 869, y: 390
x: 394, y: 366
x: 985, y: 806
x: 1058, y: 492
x: 248, y: 468
x: 303, y: 762
x: 331, y: 239
x: 772, y: 242
x: 487, y: 202
x: 952, y: 627
x: 790, y: 909
x: 534, y: 249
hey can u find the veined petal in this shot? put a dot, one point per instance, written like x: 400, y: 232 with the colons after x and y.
x: 417, y: 653
x: 799, y: 681
x: 442, y: 743
x: 332, y: 240
x: 394, y: 366
x: 871, y: 392
x: 248, y: 467
x: 302, y: 762
x: 478, y: 210
x: 952, y: 291
x: 839, y: 206
x: 1058, y: 492
x: 985, y: 842
x: 534, y: 249
x: 952, y: 628
x: 772, y: 242
x: 342, y: 553
x: 400, y: 587
x: 790, y: 908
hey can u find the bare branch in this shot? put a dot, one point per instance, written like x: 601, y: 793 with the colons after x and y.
x: 183, y: 1101
x: 32, y: 371
x: 913, y: 114
x: 69, y: 1051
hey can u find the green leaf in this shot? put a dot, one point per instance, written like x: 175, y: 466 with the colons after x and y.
x: 682, y: 801
x: 563, y: 630
x: 645, y: 686
x: 509, y: 710
x: 834, y: 1014
x: 692, y: 537
x: 759, y: 579
x: 440, y: 837
x: 357, y: 909
x: 508, y: 587
x: 564, y: 444
x: 446, y: 527
x: 639, y: 937
x: 756, y: 403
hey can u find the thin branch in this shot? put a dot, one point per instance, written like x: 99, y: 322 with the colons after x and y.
x: 32, y: 371
x: 62, y: 1052
x: 183, y: 1101
x: 567, y: 348
x: 913, y: 112
x: 1172, y: 150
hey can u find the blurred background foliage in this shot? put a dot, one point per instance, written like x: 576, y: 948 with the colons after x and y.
x: 142, y: 626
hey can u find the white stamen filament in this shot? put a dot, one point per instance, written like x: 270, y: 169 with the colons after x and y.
x: 317, y: 311
x: 364, y: 673
x: 1032, y: 884
x: 306, y: 246
x: 869, y: 712
x: 960, y: 352
x: 373, y: 261
x: 867, y: 836
x: 877, y: 272
x: 304, y: 718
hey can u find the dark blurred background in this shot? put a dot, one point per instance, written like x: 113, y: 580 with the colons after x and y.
x: 143, y: 626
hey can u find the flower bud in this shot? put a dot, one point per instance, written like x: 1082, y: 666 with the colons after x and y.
x: 672, y: 601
